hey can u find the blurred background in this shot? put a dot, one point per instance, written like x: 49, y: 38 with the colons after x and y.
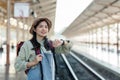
x: 92, y: 25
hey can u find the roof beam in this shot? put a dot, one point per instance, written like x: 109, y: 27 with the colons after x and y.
x: 45, y: 3
x: 3, y: 4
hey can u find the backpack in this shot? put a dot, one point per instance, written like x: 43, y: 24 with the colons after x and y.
x: 37, y: 51
x: 19, y: 45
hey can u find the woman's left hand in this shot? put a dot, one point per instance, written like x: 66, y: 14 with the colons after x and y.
x: 57, y: 42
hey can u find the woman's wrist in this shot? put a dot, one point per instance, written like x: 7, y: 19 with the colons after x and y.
x: 35, y: 62
x: 30, y: 64
x: 65, y: 42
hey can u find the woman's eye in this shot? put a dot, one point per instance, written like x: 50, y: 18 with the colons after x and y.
x: 40, y: 26
x: 46, y: 26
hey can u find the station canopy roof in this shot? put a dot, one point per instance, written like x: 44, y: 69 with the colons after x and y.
x: 99, y: 13
x: 38, y: 8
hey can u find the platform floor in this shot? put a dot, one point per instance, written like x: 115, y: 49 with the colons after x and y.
x: 7, y: 72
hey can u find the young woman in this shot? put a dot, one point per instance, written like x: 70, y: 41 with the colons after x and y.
x: 41, y: 66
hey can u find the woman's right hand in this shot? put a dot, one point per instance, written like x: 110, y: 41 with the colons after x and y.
x: 38, y: 58
x: 36, y: 61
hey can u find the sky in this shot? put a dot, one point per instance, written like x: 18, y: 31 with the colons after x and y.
x: 67, y: 11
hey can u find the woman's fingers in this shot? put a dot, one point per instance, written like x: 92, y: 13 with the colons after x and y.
x: 39, y: 57
x: 57, y: 43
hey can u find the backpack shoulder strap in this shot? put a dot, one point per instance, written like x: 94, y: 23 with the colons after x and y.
x: 37, y: 51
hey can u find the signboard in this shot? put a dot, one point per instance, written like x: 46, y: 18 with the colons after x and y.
x: 21, y: 10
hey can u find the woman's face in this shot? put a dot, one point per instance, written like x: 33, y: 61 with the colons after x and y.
x: 42, y: 29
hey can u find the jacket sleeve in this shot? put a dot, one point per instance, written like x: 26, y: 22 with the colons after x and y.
x: 64, y: 48
x: 20, y: 62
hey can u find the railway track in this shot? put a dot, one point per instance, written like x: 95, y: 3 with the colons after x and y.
x: 106, y: 72
x: 70, y: 67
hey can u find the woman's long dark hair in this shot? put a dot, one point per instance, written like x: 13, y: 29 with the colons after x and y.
x: 37, y: 44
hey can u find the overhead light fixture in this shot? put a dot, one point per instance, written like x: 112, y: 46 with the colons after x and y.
x: 36, y: 1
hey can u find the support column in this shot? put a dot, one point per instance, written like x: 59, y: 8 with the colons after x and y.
x: 108, y: 28
x: 118, y: 44
x: 8, y: 32
x: 102, y: 42
x: 17, y: 31
x: 23, y: 30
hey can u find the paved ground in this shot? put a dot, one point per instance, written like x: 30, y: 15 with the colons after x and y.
x: 7, y: 72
